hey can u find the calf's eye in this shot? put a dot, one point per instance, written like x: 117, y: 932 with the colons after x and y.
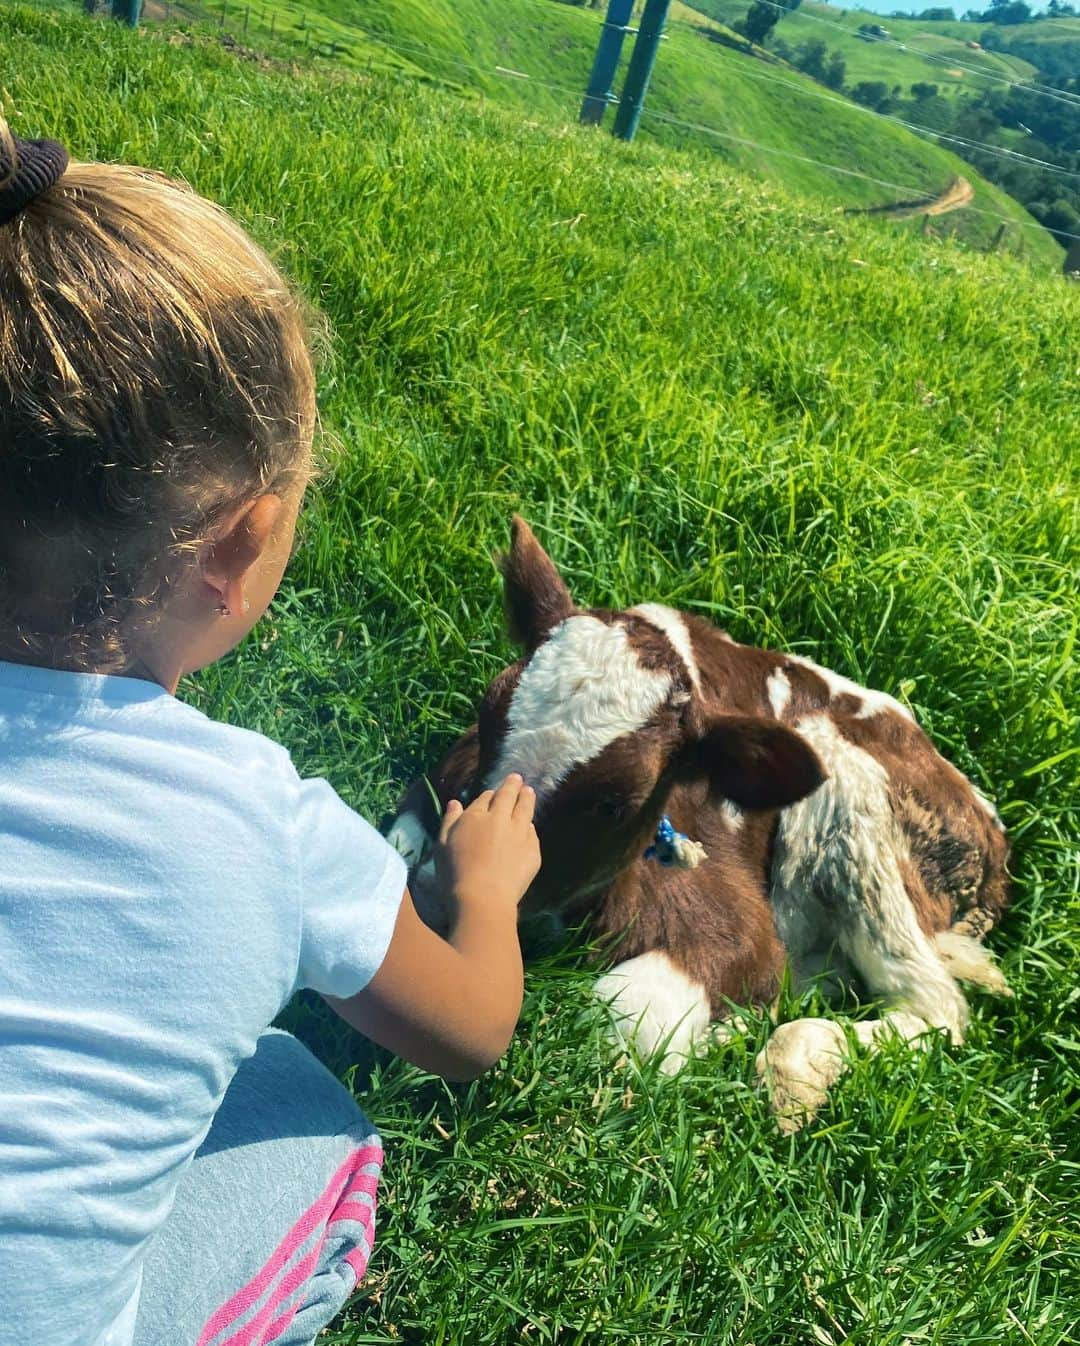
x: 612, y: 810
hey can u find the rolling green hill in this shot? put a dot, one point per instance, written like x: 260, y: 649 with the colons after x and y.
x: 772, y: 121
x: 702, y: 389
x: 916, y: 50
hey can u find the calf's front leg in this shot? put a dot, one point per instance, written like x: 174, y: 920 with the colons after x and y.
x: 656, y: 1007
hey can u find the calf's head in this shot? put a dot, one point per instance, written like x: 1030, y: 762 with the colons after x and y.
x: 603, y: 715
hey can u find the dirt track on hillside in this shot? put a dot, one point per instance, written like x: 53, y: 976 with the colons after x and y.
x: 956, y: 195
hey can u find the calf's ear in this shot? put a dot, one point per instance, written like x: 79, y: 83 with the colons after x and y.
x: 756, y: 763
x: 535, y: 595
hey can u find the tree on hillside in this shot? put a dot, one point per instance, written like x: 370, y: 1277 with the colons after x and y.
x: 810, y: 58
x: 762, y: 17
x: 938, y: 16
x: 1008, y: 12
x: 872, y: 93
x: 921, y: 91
x: 836, y: 71
x: 1060, y: 218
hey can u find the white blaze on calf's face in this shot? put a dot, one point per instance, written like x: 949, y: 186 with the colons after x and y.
x: 583, y: 688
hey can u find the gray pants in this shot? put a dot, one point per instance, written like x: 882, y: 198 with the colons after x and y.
x: 274, y: 1220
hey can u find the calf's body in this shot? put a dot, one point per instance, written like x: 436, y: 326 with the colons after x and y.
x: 835, y: 836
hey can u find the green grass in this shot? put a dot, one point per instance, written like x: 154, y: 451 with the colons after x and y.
x: 827, y: 435
x: 774, y: 122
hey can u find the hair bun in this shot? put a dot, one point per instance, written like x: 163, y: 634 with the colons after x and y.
x: 38, y: 165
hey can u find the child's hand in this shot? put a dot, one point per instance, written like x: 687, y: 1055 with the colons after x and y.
x: 450, y: 1005
x: 489, y: 852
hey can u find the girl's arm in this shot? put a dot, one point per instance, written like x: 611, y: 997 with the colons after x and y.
x: 451, y: 1006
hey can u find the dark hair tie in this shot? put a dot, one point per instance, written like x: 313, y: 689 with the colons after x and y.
x: 40, y: 165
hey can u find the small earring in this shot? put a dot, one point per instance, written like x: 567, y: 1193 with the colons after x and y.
x: 222, y: 609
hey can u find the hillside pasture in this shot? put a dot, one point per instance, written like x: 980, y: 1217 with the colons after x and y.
x: 535, y: 55
x: 824, y: 433
x: 954, y: 66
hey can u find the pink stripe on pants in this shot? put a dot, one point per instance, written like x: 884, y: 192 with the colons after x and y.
x: 335, y: 1203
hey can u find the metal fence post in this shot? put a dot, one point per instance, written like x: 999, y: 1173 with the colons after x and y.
x: 127, y: 11
x: 598, y: 94
x: 632, y: 99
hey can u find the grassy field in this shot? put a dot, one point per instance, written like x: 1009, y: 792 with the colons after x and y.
x: 827, y: 435
x: 773, y: 122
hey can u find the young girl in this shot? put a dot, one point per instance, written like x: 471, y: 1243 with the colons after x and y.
x: 166, y: 882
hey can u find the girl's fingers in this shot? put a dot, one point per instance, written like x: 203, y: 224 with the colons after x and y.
x: 454, y: 810
x: 507, y: 793
x: 525, y: 806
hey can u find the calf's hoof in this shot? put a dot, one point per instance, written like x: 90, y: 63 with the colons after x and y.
x: 799, y: 1064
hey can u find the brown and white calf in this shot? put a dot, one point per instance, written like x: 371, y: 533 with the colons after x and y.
x: 830, y: 833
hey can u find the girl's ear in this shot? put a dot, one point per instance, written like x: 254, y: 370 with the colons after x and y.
x: 756, y: 763
x: 535, y: 596
x: 243, y: 538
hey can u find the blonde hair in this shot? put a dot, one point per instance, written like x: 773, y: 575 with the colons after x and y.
x: 154, y: 374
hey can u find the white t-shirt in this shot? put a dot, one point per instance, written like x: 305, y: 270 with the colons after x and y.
x: 166, y: 884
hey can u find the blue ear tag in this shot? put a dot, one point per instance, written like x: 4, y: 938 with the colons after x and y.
x: 674, y: 850
x: 663, y: 842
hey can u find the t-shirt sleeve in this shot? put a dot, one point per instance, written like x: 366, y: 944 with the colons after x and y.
x: 351, y: 885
